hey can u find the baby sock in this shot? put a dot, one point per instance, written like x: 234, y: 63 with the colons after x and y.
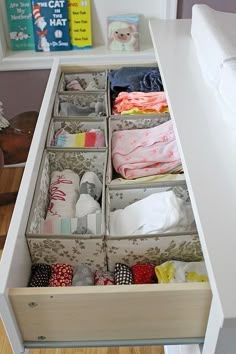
x: 83, y: 275
x: 123, y: 274
x: 90, y: 192
x: 74, y: 85
x: 143, y: 273
x: 61, y: 275
x: 104, y: 278
x: 40, y: 275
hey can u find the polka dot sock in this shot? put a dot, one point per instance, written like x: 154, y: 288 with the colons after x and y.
x: 143, y: 273
x: 61, y: 275
x: 123, y: 274
x: 104, y: 278
x: 40, y: 275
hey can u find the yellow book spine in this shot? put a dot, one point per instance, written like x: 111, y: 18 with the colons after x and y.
x: 80, y: 23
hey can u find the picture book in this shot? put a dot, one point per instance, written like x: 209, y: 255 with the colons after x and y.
x: 51, y: 25
x: 20, y: 26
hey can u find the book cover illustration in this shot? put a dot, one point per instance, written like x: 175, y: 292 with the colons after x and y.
x: 19, y: 16
x: 80, y: 23
x: 123, y: 32
x: 51, y: 25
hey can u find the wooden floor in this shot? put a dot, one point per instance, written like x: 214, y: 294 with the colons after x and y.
x: 9, y: 182
x: 10, y: 179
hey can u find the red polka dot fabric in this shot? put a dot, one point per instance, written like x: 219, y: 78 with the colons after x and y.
x: 143, y: 273
x: 61, y: 275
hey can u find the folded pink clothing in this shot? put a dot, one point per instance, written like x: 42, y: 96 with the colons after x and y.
x: 145, y: 152
x: 144, y: 101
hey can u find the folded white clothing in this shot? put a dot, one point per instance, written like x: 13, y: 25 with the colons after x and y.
x: 63, y: 193
x: 158, y: 213
x: 214, y: 36
x: 91, y: 184
x: 88, y: 224
x: 86, y: 205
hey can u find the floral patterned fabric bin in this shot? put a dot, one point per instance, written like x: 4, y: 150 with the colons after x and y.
x: 97, y: 78
x: 69, y: 250
x: 74, y: 126
x: 53, y: 160
x: 90, y: 104
x: 102, y: 251
x: 130, y: 123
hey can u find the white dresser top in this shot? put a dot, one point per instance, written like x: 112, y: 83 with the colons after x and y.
x: 208, y: 148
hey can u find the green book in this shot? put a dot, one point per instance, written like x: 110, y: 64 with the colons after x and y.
x: 20, y: 25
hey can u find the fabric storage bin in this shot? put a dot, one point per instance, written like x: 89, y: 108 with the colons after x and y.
x: 177, y: 220
x: 132, y: 123
x: 87, y: 81
x: 73, y: 251
x: 137, y: 80
x: 75, y: 126
x: 152, y: 249
x: 59, y: 160
x: 90, y: 104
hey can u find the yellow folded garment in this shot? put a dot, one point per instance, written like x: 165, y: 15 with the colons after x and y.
x: 139, y: 111
x: 154, y: 178
x: 181, y: 272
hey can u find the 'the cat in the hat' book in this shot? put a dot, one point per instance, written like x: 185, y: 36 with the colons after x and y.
x: 51, y: 26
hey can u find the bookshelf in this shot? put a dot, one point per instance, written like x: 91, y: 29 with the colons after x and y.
x: 149, y: 9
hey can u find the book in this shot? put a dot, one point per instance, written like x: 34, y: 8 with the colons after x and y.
x: 51, y: 25
x: 20, y: 26
x: 80, y: 23
x: 123, y: 32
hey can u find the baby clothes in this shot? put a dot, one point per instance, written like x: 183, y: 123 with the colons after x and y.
x: 68, y: 109
x: 144, y: 152
x: 154, y: 102
x: 103, y: 278
x: 93, y: 138
x: 40, y: 275
x: 123, y: 274
x: 143, y: 273
x: 73, y: 85
x: 61, y: 275
x: 63, y: 193
x: 150, y: 179
x: 83, y: 275
x: 89, y: 224
x: 90, y: 193
x: 180, y: 272
x: 158, y: 213
x: 130, y: 79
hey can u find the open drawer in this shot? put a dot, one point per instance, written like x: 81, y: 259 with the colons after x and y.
x: 113, y: 313
x: 93, y: 315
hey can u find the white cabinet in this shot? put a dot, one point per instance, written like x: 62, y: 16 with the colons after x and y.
x: 207, y: 145
x: 173, y: 313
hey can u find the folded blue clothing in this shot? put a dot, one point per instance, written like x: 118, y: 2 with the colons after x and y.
x: 144, y: 79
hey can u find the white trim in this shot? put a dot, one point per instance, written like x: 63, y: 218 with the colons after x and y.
x: 168, y: 9
x: 11, y: 326
x: 182, y: 349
